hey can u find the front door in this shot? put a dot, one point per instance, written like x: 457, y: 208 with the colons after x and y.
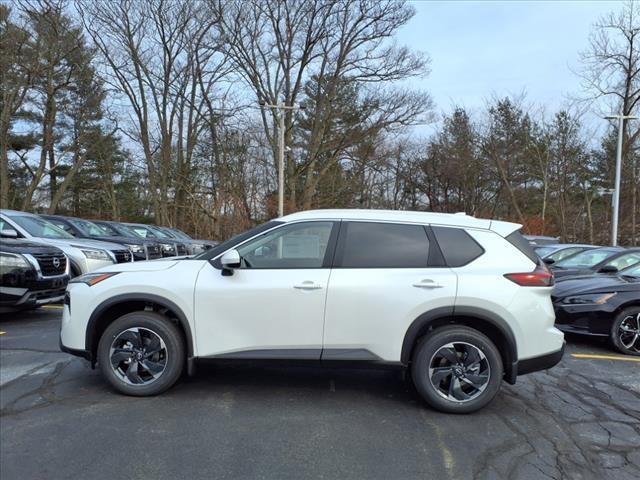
x: 273, y: 305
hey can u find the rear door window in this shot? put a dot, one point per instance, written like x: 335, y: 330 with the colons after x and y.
x: 517, y: 240
x: 458, y: 247
x: 383, y: 245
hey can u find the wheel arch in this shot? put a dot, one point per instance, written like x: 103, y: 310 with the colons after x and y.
x: 113, y: 308
x: 486, y: 322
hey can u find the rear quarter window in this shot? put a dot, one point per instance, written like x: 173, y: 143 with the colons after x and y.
x: 457, y: 246
x: 517, y: 240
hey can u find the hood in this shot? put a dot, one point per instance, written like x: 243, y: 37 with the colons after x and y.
x: 80, y: 242
x: 144, y: 266
x: 595, y: 284
x: 10, y: 245
x: 122, y: 240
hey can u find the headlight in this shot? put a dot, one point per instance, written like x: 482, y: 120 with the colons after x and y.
x: 167, y: 247
x: 593, y: 299
x: 96, y: 254
x: 135, y: 248
x: 13, y: 260
x: 92, y: 278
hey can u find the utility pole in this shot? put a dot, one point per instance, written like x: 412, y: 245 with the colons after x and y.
x: 282, y: 108
x: 616, y: 193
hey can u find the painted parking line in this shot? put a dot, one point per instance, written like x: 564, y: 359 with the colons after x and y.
x: 2, y: 333
x: 605, y: 357
x: 53, y: 307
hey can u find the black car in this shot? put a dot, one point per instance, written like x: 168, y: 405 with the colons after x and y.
x: 608, y: 260
x: 194, y: 246
x: 109, y: 227
x: 140, y: 248
x: 602, y: 305
x: 148, y: 231
x: 31, y: 274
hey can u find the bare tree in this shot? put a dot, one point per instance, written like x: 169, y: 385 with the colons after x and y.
x: 611, y: 71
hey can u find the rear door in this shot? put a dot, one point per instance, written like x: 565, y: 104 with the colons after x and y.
x: 385, y: 275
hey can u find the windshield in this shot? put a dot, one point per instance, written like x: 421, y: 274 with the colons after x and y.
x: 179, y: 234
x: 586, y: 259
x: 88, y: 228
x: 159, y: 232
x: 227, y: 244
x: 39, y: 227
x: 107, y: 229
x: 632, y: 271
x: 543, y: 251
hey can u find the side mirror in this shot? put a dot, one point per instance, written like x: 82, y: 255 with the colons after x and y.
x: 229, y: 261
x: 608, y: 269
x: 549, y: 261
x: 8, y: 233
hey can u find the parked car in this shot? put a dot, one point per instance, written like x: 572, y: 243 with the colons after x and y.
x: 554, y: 253
x: 31, y: 274
x: 84, y: 255
x: 598, y: 260
x: 463, y: 302
x: 193, y: 246
x: 80, y: 228
x: 111, y: 227
x: 150, y: 232
x: 535, y: 240
x: 602, y: 305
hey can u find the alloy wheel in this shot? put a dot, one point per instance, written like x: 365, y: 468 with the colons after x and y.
x: 629, y: 332
x: 138, y: 356
x: 459, y: 371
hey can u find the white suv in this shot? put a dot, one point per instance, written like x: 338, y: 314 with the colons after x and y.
x: 464, y: 303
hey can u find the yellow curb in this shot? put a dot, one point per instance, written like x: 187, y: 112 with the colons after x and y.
x: 605, y: 357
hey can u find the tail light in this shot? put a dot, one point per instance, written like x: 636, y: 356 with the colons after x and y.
x: 540, y: 277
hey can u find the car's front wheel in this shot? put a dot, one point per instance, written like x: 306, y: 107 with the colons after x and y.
x: 625, y: 331
x: 141, y: 353
x: 456, y: 369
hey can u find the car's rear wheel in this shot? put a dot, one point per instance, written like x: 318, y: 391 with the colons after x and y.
x: 625, y: 331
x: 456, y: 369
x: 141, y: 353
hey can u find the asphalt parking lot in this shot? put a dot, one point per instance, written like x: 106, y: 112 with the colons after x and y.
x: 58, y: 419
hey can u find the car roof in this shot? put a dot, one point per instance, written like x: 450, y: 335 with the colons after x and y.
x: 453, y: 219
x: 559, y: 246
x: 17, y: 212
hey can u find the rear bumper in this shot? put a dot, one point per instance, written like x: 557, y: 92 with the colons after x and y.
x: 542, y: 362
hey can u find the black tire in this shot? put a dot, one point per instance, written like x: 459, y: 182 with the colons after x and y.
x: 171, y: 357
x: 477, y: 360
x: 631, y: 319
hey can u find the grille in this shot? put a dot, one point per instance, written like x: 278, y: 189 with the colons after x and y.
x: 51, y: 264
x: 153, y: 251
x: 122, y: 256
x: 182, y: 249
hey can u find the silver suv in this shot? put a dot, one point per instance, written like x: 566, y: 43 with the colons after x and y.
x: 84, y: 255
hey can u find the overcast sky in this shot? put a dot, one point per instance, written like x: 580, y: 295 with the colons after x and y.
x: 482, y: 48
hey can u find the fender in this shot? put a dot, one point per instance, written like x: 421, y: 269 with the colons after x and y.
x: 426, y: 319
x: 138, y: 297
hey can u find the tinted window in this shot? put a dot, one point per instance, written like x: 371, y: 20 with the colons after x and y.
x: 567, y: 252
x: 383, y: 245
x: 624, y: 261
x: 299, y: 245
x: 517, y: 240
x: 227, y: 244
x: 586, y: 259
x: 458, y: 247
x: 39, y: 227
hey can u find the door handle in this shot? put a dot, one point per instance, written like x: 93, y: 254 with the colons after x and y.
x: 428, y: 284
x: 307, y: 286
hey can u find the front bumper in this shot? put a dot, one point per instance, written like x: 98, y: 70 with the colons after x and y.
x: 86, y: 354
x: 543, y: 362
x: 34, y: 292
x: 585, y: 319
